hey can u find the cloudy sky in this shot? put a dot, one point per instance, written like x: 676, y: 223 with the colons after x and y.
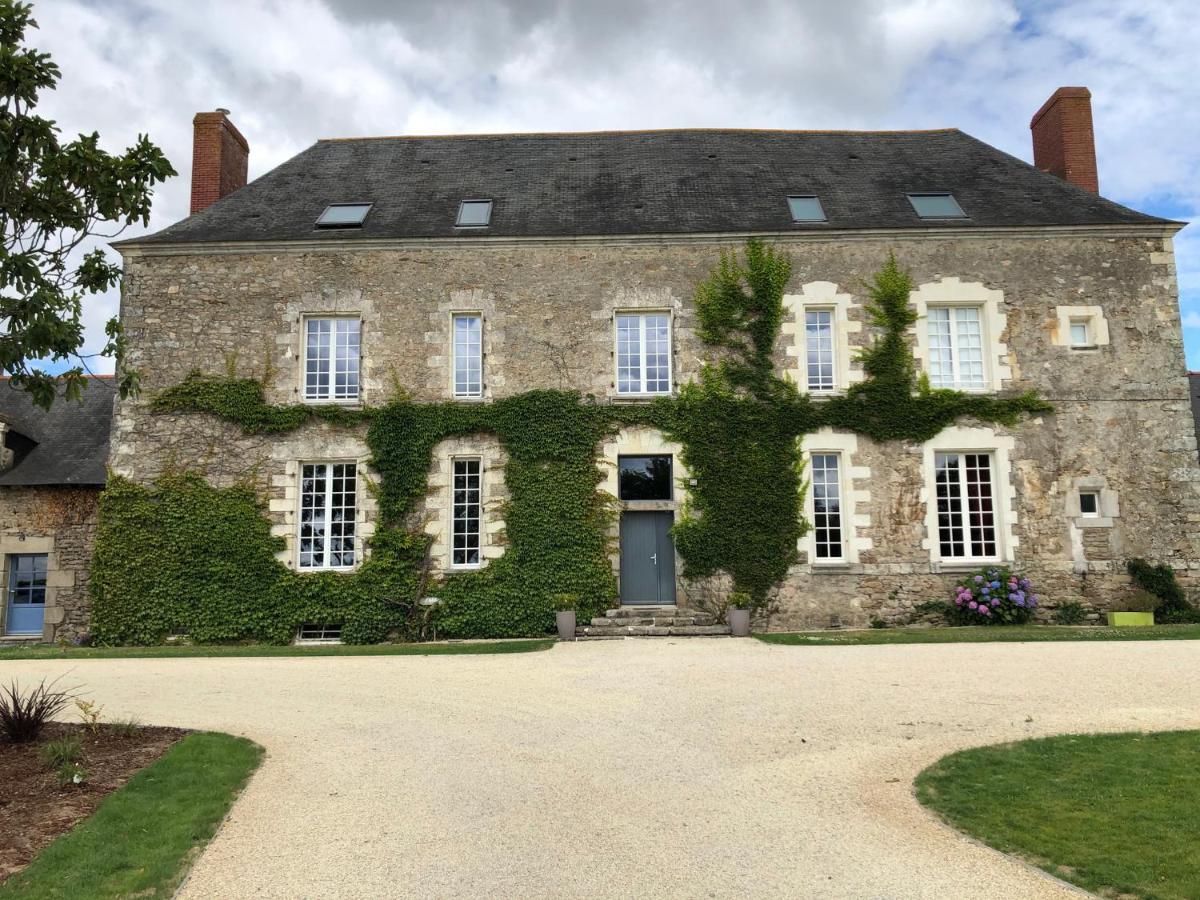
x: 296, y: 70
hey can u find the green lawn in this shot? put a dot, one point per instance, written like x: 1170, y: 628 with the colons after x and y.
x: 983, y: 633
x: 1117, y: 814
x: 143, y: 838
x: 44, y: 651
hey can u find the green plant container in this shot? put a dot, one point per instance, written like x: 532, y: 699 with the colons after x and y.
x: 1130, y: 619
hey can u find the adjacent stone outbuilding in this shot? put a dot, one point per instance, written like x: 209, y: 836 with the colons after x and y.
x: 52, y: 469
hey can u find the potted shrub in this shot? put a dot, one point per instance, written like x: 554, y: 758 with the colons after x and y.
x: 564, y: 614
x: 1135, y: 610
x: 738, y: 614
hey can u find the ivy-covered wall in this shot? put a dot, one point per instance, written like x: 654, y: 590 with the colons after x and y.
x: 183, y: 556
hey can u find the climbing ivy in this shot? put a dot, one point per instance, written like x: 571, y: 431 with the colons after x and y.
x: 182, y: 556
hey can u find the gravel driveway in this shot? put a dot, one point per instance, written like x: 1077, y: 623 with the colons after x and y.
x: 637, y: 768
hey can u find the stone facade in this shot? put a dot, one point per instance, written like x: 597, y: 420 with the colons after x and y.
x: 60, y: 522
x: 1121, y: 421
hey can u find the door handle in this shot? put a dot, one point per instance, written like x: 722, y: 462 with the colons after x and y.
x: 654, y: 558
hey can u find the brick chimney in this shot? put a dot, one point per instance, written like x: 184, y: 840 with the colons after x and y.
x: 219, y: 158
x: 1063, y: 143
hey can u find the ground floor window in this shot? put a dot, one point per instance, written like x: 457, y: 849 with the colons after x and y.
x: 467, y: 513
x: 328, y: 493
x: 325, y: 632
x: 966, y: 505
x: 827, y: 504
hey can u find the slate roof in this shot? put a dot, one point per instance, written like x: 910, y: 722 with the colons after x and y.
x: 71, y: 438
x: 642, y: 182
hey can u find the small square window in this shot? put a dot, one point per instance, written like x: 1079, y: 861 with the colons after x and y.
x: 1089, y: 504
x: 806, y: 209
x: 936, y: 206
x: 1081, y: 333
x: 474, y: 214
x: 343, y: 215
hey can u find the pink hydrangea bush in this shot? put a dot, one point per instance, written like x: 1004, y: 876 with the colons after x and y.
x: 992, y: 596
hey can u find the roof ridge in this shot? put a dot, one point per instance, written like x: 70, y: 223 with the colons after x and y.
x: 511, y: 134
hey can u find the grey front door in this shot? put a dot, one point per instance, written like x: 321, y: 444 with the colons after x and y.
x: 647, y: 558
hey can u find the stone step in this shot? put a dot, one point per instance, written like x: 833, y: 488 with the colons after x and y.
x: 662, y: 621
x: 597, y: 631
x: 638, y: 612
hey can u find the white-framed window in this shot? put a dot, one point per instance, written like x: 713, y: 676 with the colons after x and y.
x: 825, y: 482
x: 819, y: 349
x: 320, y: 632
x: 966, y: 506
x: 1089, y: 504
x: 1081, y: 333
x: 956, y: 358
x: 331, y: 359
x: 328, y: 501
x: 643, y: 353
x: 468, y: 354
x: 466, y: 514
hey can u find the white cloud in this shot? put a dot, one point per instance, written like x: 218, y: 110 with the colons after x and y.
x: 295, y: 71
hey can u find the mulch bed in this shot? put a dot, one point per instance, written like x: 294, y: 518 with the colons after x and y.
x: 35, y: 809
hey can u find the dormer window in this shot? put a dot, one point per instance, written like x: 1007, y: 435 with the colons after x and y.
x: 474, y: 214
x: 343, y: 215
x: 806, y: 209
x: 936, y: 206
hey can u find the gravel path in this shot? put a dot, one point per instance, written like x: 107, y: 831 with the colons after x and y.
x: 637, y: 768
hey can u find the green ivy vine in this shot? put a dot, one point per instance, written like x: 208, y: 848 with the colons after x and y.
x: 181, y: 556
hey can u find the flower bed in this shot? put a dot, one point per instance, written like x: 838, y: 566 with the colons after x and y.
x: 992, y: 596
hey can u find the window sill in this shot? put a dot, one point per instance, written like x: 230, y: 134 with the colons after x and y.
x: 469, y: 399
x: 832, y: 568
x: 353, y: 404
x: 315, y: 570
x: 969, y: 565
x: 640, y: 398
x: 467, y: 568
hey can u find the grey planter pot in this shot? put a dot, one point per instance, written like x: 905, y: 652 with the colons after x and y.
x: 566, y: 624
x: 739, y: 622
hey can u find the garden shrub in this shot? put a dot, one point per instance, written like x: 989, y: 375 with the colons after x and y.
x: 1069, y: 613
x: 1160, y: 580
x: 992, y: 596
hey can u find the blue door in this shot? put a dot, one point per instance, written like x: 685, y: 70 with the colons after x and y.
x: 26, y: 594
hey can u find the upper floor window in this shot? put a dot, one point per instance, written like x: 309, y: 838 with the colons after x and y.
x: 956, y: 357
x: 468, y: 355
x: 819, y: 349
x: 643, y: 353
x: 328, y: 494
x: 936, y: 206
x: 331, y: 359
x: 966, y: 506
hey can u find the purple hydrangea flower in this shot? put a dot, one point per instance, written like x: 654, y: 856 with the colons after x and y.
x: 986, y: 591
x: 978, y: 579
x: 995, y: 601
x: 1020, y: 601
x: 995, y: 584
x: 973, y: 605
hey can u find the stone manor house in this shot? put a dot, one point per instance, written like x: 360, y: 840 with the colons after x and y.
x: 472, y: 268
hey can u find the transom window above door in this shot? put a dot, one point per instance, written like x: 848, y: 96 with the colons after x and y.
x: 644, y: 477
x: 956, y: 357
x: 331, y: 359
x: 643, y: 353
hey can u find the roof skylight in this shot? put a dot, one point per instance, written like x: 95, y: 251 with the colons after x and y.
x: 936, y: 206
x: 474, y: 214
x: 343, y: 215
x: 806, y: 209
